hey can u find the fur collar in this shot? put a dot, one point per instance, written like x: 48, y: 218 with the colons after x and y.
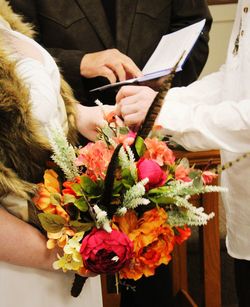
x: 23, y: 150
x: 15, y: 21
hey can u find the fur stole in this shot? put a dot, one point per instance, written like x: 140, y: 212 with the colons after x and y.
x: 23, y: 150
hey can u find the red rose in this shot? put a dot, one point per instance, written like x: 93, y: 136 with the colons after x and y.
x: 151, y: 170
x: 104, y: 252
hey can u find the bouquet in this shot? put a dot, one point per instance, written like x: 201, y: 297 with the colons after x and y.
x: 119, y: 211
x: 120, y: 204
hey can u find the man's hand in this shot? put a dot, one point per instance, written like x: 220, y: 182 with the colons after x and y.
x: 132, y: 104
x: 111, y: 64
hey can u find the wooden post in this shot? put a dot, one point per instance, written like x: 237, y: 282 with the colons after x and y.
x: 211, y: 252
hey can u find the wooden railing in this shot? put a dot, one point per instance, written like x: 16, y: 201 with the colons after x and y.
x: 209, y: 244
x: 209, y: 248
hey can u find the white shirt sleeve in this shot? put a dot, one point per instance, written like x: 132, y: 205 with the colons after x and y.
x: 198, y: 119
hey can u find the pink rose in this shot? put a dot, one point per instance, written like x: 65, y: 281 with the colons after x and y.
x: 151, y: 170
x: 104, y: 252
x: 208, y: 177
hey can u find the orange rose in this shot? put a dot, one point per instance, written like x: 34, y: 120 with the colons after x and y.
x: 153, y: 242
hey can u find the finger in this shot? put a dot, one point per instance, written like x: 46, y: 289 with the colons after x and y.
x: 119, y: 122
x: 127, y: 109
x: 108, y: 73
x: 128, y: 90
x: 134, y: 119
x: 131, y: 67
x: 118, y: 109
x: 118, y: 69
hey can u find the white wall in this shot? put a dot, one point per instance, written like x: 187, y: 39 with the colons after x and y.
x: 223, y: 17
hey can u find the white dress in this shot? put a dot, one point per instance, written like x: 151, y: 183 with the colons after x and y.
x: 21, y: 286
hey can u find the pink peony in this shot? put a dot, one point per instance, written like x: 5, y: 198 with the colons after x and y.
x: 104, y: 252
x: 151, y: 170
x: 95, y: 157
x: 159, y: 152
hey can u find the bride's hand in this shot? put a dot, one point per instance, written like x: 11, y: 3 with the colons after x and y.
x: 89, y: 118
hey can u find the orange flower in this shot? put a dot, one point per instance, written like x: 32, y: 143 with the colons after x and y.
x: 159, y: 152
x: 48, y: 199
x: 68, y: 186
x: 126, y: 223
x: 153, y: 242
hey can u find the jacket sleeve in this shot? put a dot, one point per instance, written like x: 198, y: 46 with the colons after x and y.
x: 185, y: 13
x: 198, y: 119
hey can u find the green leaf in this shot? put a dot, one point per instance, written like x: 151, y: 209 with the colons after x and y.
x: 117, y: 187
x: 81, y: 226
x: 68, y: 198
x: 76, y: 187
x: 81, y: 204
x: 89, y: 186
x: 123, y: 130
x: 162, y: 200
x: 55, y: 199
x: 51, y: 222
x: 195, y: 173
x: 140, y: 146
x: 127, y: 179
x: 106, y: 130
x: 198, y: 183
x: 185, y: 163
x: 160, y: 190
